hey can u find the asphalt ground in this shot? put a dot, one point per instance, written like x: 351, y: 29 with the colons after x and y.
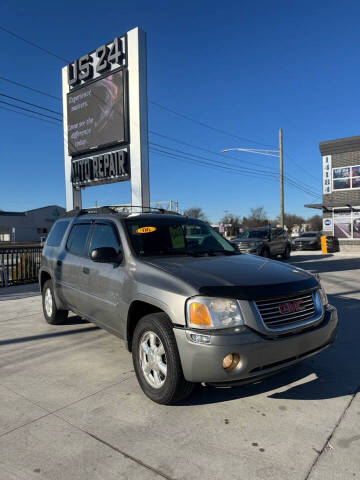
x: 71, y: 408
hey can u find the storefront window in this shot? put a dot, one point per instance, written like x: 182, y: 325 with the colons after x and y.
x: 346, y: 223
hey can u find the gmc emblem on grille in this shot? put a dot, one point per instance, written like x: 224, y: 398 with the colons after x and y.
x: 289, y: 307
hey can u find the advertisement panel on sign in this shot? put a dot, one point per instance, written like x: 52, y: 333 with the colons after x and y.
x: 97, y: 114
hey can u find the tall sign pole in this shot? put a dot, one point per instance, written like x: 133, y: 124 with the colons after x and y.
x: 281, y: 178
x: 106, y: 119
x: 138, y: 118
x: 72, y: 194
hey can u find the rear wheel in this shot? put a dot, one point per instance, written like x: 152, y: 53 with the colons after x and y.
x: 287, y: 252
x: 157, y: 362
x: 52, y: 314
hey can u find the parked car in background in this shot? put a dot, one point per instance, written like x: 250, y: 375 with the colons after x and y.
x: 308, y: 241
x: 264, y: 241
x: 189, y: 306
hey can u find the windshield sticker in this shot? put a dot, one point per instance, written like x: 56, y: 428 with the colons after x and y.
x: 146, y: 229
x: 177, y: 237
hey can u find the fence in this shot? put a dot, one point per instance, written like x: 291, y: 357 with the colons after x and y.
x: 19, y: 264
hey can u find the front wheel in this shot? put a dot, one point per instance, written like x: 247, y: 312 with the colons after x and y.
x: 265, y: 252
x: 157, y: 362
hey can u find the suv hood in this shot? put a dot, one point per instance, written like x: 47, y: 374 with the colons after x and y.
x: 306, y: 239
x: 244, y: 277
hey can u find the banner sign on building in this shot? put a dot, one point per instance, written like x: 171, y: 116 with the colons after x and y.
x: 105, y: 119
x: 327, y: 172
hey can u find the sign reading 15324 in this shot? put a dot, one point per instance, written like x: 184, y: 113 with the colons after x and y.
x: 104, y: 59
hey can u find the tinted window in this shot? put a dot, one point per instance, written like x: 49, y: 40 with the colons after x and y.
x: 104, y: 236
x: 77, y: 239
x: 175, y: 236
x: 263, y: 234
x: 56, y: 234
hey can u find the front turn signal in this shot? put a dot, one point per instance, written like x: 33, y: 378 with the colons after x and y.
x: 199, y: 315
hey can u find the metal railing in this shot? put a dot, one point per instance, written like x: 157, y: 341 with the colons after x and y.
x: 19, y: 264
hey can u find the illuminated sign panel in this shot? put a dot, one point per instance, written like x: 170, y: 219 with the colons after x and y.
x: 97, y: 116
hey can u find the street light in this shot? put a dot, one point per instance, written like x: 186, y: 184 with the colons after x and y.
x: 270, y: 153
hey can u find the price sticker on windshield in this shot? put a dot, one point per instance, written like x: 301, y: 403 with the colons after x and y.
x: 146, y: 229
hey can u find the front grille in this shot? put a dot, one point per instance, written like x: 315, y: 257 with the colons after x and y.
x: 243, y: 245
x: 285, y: 312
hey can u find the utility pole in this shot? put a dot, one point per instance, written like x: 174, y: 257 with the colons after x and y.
x: 281, y: 178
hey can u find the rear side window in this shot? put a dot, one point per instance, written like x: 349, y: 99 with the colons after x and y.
x: 76, y: 242
x: 57, y: 233
x: 104, y: 236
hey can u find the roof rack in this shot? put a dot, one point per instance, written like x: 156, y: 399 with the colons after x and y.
x: 126, y: 209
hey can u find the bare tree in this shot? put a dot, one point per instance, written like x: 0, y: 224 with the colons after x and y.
x: 196, y: 212
x: 291, y: 220
x: 315, y: 223
x: 232, y: 223
x: 257, y: 218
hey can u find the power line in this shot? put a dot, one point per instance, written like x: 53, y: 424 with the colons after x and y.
x: 32, y: 111
x: 28, y: 103
x: 205, y: 125
x: 217, y: 167
x: 30, y: 88
x: 223, y: 165
x: 300, y: 166
x: 34, y: 44
x: 29, y: 116
x: 309, y: 187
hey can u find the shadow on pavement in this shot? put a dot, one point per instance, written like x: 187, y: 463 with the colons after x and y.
x: 44, y: 336
x: 320, y: 263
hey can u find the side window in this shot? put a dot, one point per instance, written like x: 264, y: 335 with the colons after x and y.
x: 57, y: 232
x: 76, y: 242
x: 104, y: 236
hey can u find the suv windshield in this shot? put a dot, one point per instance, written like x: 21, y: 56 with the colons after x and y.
x: 255, y: 234
x: 309, y: 234
x: 175, y: 236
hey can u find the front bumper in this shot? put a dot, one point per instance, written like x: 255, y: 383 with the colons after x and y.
x: 259, y: 356
x: 306, y: 246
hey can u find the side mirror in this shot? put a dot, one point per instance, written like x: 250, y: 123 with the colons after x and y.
x: 106, y: 255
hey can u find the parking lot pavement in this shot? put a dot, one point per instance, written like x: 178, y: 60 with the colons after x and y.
x: 71, y: 407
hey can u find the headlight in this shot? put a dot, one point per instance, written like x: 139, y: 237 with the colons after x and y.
x: 321, y: 290
x: 207, y: 312
x: 323, y: 296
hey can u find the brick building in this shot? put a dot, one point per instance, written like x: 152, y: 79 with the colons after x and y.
x: 341, y: 191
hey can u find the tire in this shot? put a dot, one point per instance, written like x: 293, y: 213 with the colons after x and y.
x: 287, y: 252
x: 52, y: 314
x: 164, y: 388
x: 265, y: 253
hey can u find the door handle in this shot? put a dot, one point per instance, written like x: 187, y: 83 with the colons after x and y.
x: 59, y: 263
x: 86, y: 270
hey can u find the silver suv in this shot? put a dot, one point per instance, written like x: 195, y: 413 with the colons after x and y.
x: 264, y: 241
x: 189, y: 306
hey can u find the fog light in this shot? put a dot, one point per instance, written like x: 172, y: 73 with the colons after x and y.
x: 230, y: 362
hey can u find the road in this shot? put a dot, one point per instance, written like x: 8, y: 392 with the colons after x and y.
x: 71, y: 407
